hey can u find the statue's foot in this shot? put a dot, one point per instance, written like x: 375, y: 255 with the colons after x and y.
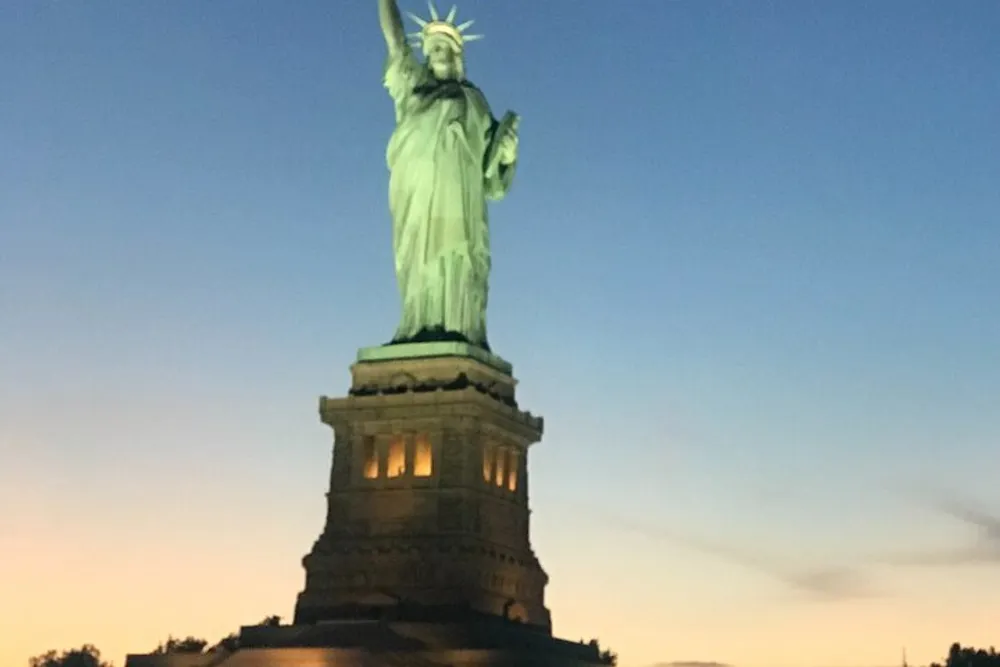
x: 438, y: 335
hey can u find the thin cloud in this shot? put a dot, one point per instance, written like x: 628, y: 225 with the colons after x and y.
x: 986, y: 551
x: 974, y: 555
x: 988, y: 524
x: 828, y: 583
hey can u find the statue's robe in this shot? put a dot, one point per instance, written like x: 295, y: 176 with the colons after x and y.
x: 437, y: 196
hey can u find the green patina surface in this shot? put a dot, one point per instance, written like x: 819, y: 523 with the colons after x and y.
x: 431, y: 350
x: 447, y: 156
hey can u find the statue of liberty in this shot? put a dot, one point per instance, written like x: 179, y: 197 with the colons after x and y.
x: 447, y: 156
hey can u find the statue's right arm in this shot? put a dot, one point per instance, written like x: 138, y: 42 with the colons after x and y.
x: 392, y: 26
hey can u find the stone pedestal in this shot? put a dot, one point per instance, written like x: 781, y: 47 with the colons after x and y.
x: 428, y: 502
x: 425, y: 556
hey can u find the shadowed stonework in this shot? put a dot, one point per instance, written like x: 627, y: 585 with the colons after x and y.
x: 428, y: 502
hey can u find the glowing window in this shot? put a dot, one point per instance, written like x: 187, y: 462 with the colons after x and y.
x: 512, y: 470
x: 488, y: 463
x: 397, y: 457
x: 423, y: 464
x: 370, y: 468
x: 500, y: 469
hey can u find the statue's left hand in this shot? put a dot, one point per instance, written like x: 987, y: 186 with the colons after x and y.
x: 508, y: 146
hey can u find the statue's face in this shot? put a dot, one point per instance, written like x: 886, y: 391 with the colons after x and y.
x: 442, y: 58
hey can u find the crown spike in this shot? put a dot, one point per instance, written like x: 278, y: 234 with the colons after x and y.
x: 435, y: 25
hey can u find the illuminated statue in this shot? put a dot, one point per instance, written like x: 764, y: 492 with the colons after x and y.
x: 447, y: 156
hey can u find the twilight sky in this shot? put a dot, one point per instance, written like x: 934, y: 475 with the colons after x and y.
x: 748, y: 273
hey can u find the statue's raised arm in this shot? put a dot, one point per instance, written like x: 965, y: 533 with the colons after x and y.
x: 392, y: 26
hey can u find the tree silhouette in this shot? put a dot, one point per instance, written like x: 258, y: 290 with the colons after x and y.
x: 85, y: 656
x: 607, y: 656
x: 186, y: 645
x: 231, y: 642
x: 88, y: 655
x: 966, y: 656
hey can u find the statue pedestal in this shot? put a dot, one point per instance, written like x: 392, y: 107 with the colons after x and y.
x: 428, y: 501
x: 425, y: 557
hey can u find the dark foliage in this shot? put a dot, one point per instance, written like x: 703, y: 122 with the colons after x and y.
x: 186, y: 645
x: 85, y: 656
x: 607, y: 656
x: 231, y: 642
x: 966, y: 656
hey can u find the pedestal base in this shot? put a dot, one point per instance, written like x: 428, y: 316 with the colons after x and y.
x: 425, y: 557
x: 475, y: 643
x: 397, y: 351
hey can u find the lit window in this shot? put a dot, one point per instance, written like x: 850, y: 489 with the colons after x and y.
x: 500, y: 469
x: 397, y: 457
x: 512, y: 469
x: 423, y: 464
x: 370, y: 469
x: 488, y: 463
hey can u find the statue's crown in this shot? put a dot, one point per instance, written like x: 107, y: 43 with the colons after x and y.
x: 438, y: 27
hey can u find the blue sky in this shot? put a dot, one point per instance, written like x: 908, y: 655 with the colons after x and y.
x: 747, y: 273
